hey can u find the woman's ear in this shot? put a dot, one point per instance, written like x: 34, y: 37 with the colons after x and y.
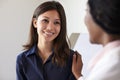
x: 34, y: 21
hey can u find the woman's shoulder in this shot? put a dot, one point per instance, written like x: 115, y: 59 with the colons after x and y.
x: 27, y: 53
x: 22, y: 55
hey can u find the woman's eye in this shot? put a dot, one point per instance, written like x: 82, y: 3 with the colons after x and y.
x: 45, y: 21
x: 57, y: 22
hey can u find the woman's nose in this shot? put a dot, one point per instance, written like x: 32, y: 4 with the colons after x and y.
x: 50, y: 26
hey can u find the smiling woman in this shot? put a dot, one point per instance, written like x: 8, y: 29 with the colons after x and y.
x: 48, y: 26
x: 47, y: 55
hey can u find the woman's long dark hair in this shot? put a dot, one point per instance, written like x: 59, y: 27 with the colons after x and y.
x: 60, y: 45
x: 106, y: 13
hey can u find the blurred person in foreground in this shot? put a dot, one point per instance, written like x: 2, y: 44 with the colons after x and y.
x: 103, y: 23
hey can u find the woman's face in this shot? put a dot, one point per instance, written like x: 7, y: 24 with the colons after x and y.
x: 48, y: 25
x: 95, y: 32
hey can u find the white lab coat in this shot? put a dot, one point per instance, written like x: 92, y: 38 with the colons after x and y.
x: 108, y: 67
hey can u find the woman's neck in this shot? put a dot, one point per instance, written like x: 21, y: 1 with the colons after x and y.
x: 44, y: 50
x: 110, y: 38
